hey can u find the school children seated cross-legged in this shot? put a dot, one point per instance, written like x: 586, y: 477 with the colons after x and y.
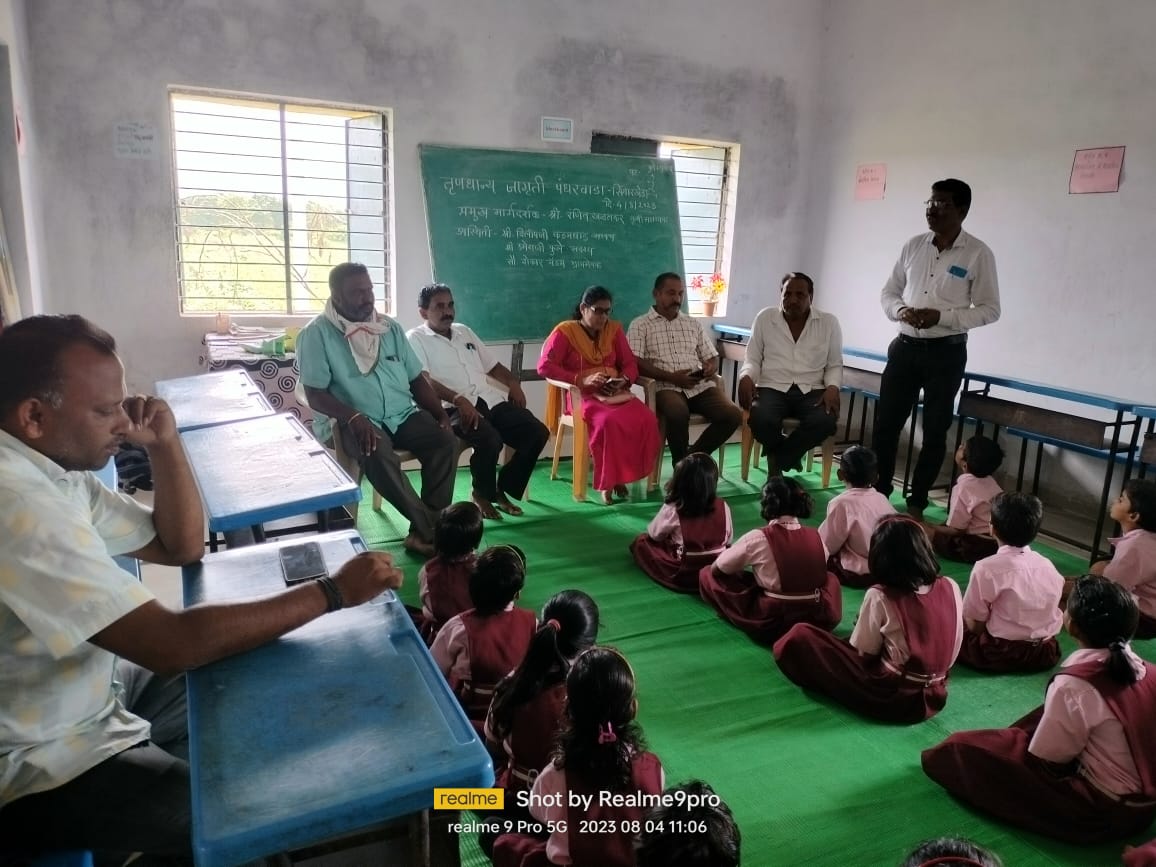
x: 910, y: 626
x: 529, y: 703
x: 444, y: 580
x: 788, y: 581
x: 695, y: 829
x: 950, y: 852
x: 600, y: 751
x: 964, y: 538
x: 852, y: 516
x: 478, y: 647
x: 1081, y: 768
x: 1133, y: 563
x: 690, y: 530
x: 1011, y: 608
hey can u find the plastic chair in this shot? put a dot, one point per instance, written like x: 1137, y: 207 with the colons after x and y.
x: 575, y: 422
x: 750, y: 449
x: 651, y: 387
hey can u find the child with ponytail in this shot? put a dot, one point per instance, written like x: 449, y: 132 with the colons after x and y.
x: 1081, y: 768
x: 600, y: 751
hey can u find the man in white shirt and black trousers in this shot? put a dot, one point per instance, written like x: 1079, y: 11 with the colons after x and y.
x: 943, y: 285
x: 793, y: 369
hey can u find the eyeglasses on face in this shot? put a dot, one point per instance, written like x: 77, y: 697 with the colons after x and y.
x: 939, y: 204
x: 599, y: 311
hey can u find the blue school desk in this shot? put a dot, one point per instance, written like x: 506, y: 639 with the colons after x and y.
x: 264, y: 469
x: 213, y: 398
x: 1147, y: 454
x: 1097, y: 425
x: 338, y: 726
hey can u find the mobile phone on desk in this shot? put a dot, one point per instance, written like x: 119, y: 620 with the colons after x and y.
x: 302, y: 562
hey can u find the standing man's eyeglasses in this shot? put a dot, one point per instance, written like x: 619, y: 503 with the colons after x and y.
x: 939, y: 203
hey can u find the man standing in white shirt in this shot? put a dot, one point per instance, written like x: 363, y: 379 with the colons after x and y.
x: 672, y: 349
x: 943, y: 285
x: 459, y: 367
x: 793, y: 369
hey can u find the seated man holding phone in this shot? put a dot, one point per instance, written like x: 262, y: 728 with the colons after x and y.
x: 672, y: 348
x: 93, y: 738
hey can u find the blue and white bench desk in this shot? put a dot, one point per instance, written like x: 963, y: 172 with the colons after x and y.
x: 213, y: 398
x: 341, y: 725
x: 265, y: 469
x: 1147, y: 455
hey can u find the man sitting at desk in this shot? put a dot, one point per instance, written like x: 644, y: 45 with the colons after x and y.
x: 358, y: 369
x: 793, y: 369
x: 459, y: 364
x: 92, y: 743
x: 672, y: 349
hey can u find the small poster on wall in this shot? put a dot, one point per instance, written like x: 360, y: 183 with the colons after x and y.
x: 870, y: 182
x: 1096, y: 170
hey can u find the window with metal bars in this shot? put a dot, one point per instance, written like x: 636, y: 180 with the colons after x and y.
x: 704, y: 179
x: 270, y: 195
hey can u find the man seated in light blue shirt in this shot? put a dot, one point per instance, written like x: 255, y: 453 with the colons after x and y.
x: 358, y: 369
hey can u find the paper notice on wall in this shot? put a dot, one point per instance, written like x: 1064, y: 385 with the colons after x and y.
x: 1096, y: 170
x: 870, y: 182
x: 135, y: 140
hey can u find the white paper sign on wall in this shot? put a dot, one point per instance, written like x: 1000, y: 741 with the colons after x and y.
x: 557, y: 129
x: 135, y: 140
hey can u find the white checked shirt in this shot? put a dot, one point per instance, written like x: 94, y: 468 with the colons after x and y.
x: 776, y: 360
x: 959, y: 282
x: 672, y: 344
x: 61, y: 712
x: 459, y: 362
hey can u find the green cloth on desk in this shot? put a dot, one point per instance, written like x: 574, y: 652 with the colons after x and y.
x: 383, y: 394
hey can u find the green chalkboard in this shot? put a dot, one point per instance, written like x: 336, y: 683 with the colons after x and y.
x: 519, y: 234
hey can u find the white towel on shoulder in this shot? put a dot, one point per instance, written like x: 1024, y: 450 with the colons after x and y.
x: 364, y: 338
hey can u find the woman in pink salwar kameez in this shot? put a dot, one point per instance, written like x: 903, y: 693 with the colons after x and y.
x: 591, y: 352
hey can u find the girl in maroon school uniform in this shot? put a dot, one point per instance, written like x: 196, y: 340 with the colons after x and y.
x: 907, y: 636
x: 530, y: 703
x: 690, y: 530
x: 1081, y: 768
x: 600, y: 753
x: 444, y: 581
x: 788, y: 581
x: 479, y: 647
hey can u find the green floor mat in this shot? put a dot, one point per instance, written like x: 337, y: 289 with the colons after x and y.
x: 809, y: 783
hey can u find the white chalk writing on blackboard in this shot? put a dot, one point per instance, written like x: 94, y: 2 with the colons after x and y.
x: 479, y: 185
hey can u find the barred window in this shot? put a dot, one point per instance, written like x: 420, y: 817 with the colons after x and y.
x: 270, y: 195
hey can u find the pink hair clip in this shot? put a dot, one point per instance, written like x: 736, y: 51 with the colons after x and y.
x: 606, y: 735
x: 552, y: 622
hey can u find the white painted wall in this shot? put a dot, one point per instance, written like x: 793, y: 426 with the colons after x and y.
x: 19, y: 187
x: 479, y: 73
x: 999, y: 94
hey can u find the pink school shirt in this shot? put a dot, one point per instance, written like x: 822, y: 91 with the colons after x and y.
x: 1134, y: 566
x: 1077, y: 724
x: 552, y: 781
x: 751, y: 551
x: 851, y: 519
x: 971, y: 504
x: 879, y: 632
x: 666, y: 525
x: 1017, y: 593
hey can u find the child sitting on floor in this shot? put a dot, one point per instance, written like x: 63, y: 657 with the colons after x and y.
x: 1011, y: 610
x: 964, y: 538
x: 909, y: 630
x: 529, y: 704
x: 950, y: 852
x: 852, y: 516
x: 1133, y: 564
x: 444, y: 581
x: 788, y: 582
x: 696, y: 830
x: 600, y: 752
x: 690, y: 530
x: 1082, y: 768
x: 478, y: 647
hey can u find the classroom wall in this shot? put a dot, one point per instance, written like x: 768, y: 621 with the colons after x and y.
x: 479, y: 73
x: 19, y: 190
x: 999, y: 94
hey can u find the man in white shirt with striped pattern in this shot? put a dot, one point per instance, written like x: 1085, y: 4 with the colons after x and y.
x: 793, y: 369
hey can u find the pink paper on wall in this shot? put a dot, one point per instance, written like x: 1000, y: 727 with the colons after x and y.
x: 870, y: 181
x: 1096, y: 170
